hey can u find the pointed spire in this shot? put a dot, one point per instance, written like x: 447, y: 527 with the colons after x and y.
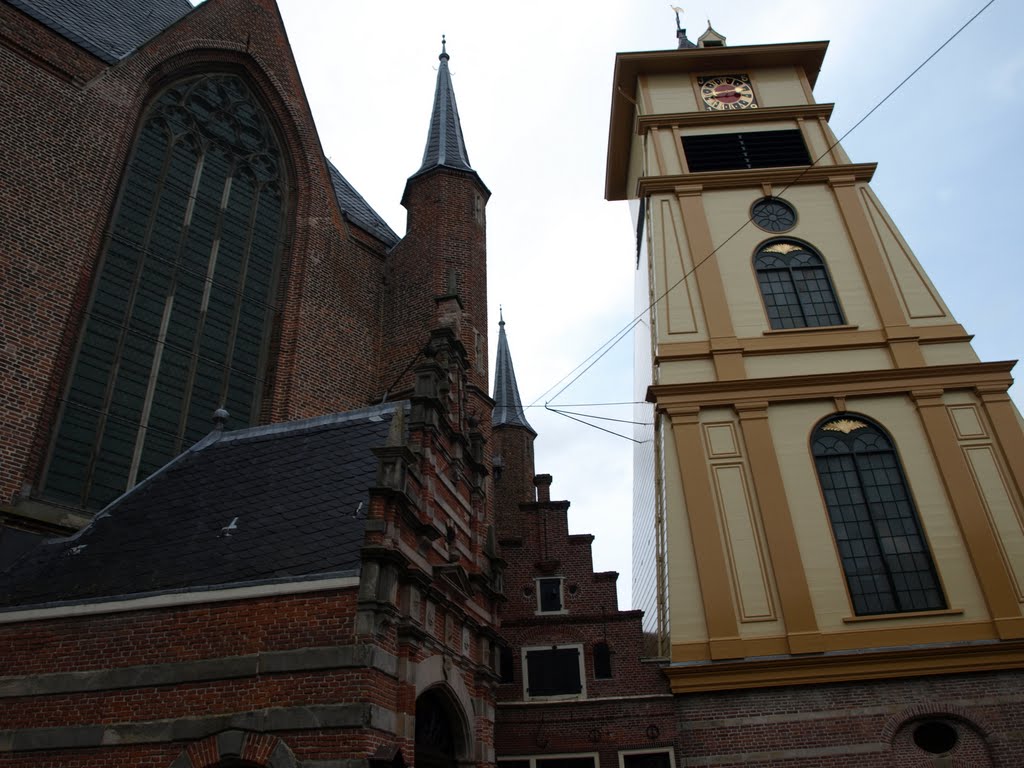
x: 445, y: 145
x: 508, y: 408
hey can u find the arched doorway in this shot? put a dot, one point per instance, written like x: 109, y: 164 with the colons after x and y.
x: 440, y: 732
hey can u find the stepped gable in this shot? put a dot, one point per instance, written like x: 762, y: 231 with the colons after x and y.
x: 285, y: 501
x: 558, y: 604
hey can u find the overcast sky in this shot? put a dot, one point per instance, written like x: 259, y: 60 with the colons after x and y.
x: 532, y: 80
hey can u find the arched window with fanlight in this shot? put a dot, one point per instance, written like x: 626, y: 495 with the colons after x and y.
x: 884, y: 553
x: 180, y: 314
x: 795, y: 286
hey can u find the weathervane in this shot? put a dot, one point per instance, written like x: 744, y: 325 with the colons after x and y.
x: 678, y: 10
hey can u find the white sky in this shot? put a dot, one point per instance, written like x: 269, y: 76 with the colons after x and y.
x: 532, y: 80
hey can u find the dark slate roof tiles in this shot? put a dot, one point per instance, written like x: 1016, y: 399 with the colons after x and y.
x: 250, y: 506
x: 357, y: 210
x: 108, y: 29
x: 446, y: 146
x: 508, y: 407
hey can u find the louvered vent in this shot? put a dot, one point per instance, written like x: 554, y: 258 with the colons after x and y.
x: 731, y: 151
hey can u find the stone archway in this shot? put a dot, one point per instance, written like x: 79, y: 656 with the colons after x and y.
x: 441, y: 731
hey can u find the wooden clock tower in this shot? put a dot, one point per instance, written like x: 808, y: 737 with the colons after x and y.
x: 832, y: 488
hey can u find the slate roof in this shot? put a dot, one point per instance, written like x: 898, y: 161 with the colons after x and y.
x: 508, y: 408
x: 272, y: 503
x: 112, y: 29
x: 357, y: 210
x: 108, y: 29
x: 446, y: 145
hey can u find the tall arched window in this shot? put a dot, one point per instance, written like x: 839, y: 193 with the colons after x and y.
x: 795, y: 286
x: 181, y: 309
x: 884, y: 553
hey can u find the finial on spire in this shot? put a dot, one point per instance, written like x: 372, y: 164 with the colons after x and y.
x: 220, y: 418
x: 501, y: 315
x: 444, y: 51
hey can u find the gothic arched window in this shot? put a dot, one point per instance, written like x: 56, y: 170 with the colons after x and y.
x: 885, y: 556
x: 795, y: 286
x: 179, y: 319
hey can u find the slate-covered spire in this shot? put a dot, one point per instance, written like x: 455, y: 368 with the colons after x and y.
x: 508, y: 408
x: 446, y: 146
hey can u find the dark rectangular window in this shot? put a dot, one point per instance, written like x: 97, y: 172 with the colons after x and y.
x: 602, y: 661
x: 733, y: 151
x: 505, y: 665
x: 565, y: 762
x: 553, y: 672
x: 549, y: 593
x: 647, y: 760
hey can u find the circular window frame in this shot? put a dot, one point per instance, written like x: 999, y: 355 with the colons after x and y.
x: 942, y: 737
x: 776, y: 200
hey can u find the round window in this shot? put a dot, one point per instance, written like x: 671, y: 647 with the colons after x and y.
x: 935, y: 737
x: 773, y: 215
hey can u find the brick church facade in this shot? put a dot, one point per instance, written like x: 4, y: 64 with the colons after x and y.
x: 259, y: 506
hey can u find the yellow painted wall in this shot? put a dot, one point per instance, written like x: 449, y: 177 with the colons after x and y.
x: 686, y: 609
x: 791, y: 426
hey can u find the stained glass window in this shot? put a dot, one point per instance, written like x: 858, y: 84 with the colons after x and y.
x: 885, y: 556
x: 180, y: 314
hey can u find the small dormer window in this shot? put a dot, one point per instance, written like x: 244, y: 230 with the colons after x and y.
x: 549, y: 595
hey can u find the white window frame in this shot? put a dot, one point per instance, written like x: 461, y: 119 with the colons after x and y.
x: 561, y: 596
x: 647, y: 751
x: 534, y: 758
x: 558, y: 696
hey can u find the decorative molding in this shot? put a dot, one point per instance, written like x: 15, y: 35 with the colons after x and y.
x: 174, y: 599
x: 752, y: 177
x: 645, y: 123
x: 671, y: 398
x: 193, y: 728
x: 811, y: 339
x: 808, y: 670
x: 225, y: 668
x: 846, y: 426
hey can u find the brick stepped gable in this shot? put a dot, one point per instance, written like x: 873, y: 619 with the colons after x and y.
x: 631, y: 709
x: 625, y: 707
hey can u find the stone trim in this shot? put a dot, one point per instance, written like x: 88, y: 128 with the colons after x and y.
x: 196, y: 728
x: 802, y: 753
x: 194, y: 596
x: 935, y: 710
x: 260, y: 748
x: 225, y: 668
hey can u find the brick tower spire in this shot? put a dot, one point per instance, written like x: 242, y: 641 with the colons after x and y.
x: 513, y: 443
x: 437, y: 274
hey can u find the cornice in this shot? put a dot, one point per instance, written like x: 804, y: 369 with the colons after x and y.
x: 752, y: 177
x: 831, y: 668
x: 669, y: 397
x: 629, y: 66
x: 810, y: 340
x: 645, y: 123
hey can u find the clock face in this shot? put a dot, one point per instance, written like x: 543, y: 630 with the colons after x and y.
x: 721, y: 92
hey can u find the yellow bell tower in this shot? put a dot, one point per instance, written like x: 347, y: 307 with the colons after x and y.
x: 833, y: 479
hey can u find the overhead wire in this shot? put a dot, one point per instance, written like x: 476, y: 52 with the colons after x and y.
x: 606, y: 347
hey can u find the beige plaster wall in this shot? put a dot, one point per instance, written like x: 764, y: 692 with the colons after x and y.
x: 791, y: 426
x: 829, y: 361
x: 686, y: 608
x: 819, y: 224
x: 775, y: 87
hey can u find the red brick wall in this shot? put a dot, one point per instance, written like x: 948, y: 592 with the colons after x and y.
x: 864, y: 724
x: 445, y: 232
x: 186, y: 633
x: 66, y: 146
